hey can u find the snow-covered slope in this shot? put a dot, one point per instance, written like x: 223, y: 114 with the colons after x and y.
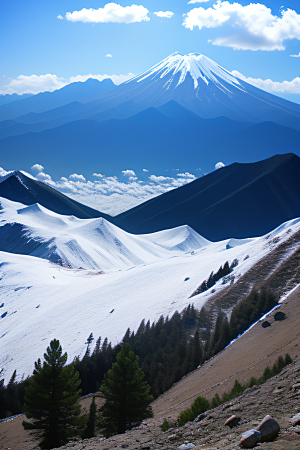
x: 41, y: 300
x: 86, y: 243
x: 199, y: 67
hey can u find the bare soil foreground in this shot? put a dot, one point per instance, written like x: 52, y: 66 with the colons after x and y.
x: 247, y: 357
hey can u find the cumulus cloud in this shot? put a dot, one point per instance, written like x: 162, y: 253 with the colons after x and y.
x: 111, y: 12
x: 165, y: 14
x: 37, y: 168
x: 99, y: 175
x: 250, y: 27
x: 33, y: 84
x: 186, y: 175
x: 108, y: 194
x: 295, y: 56
x: 129, y: 173
x: 76, y: 177
x: 219, y: 165
x: 41, y: 176
x: 145, y: 170
x: 159, y: 179
x: 108, y: 55
x: 292, y: 87
x: 60, y: 17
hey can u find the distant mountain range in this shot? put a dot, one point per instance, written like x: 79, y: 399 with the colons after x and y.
x: 186, y: 111
x: 237, y: 201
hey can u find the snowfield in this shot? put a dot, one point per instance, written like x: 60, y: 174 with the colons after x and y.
x: 58, y: 290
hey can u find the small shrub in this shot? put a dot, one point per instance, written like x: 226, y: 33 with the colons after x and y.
x: 287, y: 359
x: 185, y: 416
x: 165, y: 426
x: 200, y: 405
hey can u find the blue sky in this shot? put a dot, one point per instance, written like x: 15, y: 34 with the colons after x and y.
x: 253, y: 41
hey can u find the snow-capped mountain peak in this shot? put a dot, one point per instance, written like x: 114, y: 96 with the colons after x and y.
x: 198, y: 66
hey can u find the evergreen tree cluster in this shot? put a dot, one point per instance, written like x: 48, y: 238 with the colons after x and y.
x: 214, y: 277
x: 11, y: 396
x: 167, y: 349
x: 251, y: 309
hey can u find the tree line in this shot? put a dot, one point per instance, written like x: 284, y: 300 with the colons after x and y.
x: 167, y: 349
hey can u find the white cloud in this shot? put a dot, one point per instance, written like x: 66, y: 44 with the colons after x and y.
x: 108, y: 194
x: 111, y: 12
x: 219, y: 165
x: 295, y: 56
x: 34, y: 84
x: 165, y: 14
x: 197, y: 1
x: 76, y: 177
x: 41, y: 176
x: 60, y: 17
x: 37, y: 168
x: 99, y: 175
x: 159, y: 179
x: 128, y: 173
x: 186, y: 175
x: 145, y: 170
x: 292, y: 87
x: 250, y: 27
x: 108, y: 55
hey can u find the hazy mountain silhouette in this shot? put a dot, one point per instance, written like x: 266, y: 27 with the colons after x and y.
x: 78, y: 91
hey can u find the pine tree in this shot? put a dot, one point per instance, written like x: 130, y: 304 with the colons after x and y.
x: 126, y: 393
x: 51, y: 398
x: 89, y: 431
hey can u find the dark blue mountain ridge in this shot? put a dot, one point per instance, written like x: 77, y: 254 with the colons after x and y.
x: 240, y: 201
x: 18, y: 187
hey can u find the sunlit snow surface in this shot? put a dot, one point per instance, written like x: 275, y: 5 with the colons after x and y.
x: 146, y: 276
x: 197, y: 65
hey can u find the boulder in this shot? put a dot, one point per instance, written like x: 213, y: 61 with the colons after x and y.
x: 295, y: 420
x: 269, y: 429
x: 187, y: 446
x: 233, y: 421
x: 266, y: 324
x: 250, y: 438
x: 200, y: 417
x: 279, y: 316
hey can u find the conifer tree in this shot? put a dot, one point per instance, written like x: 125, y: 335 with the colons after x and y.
x: 126, y: 393
x: 89, y: 431
x: 51, y: 398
